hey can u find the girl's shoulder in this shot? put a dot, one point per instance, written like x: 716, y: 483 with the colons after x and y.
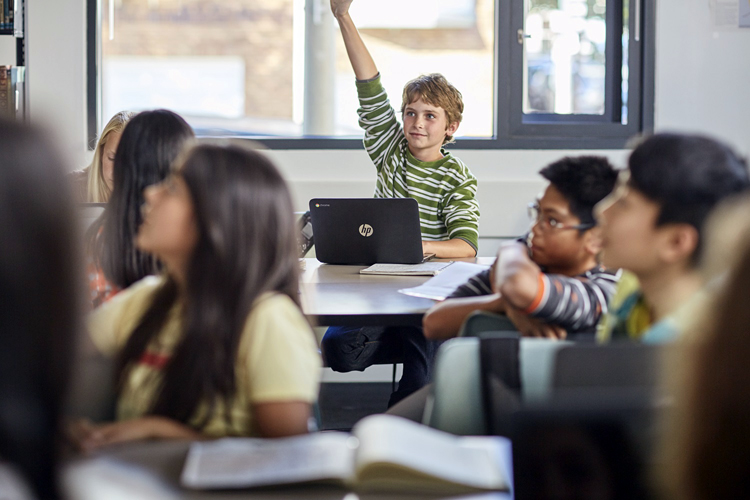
x: 131, y: 301
x: 271, y: 303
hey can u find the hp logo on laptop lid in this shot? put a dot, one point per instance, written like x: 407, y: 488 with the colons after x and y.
x: 365, y: 230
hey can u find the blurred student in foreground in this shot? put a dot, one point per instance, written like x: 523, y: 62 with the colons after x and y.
x: 706, y: 449
x: 39, y: 309
x: 652, y: 226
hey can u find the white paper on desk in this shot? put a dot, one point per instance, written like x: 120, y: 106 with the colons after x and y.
x: 442, y: 285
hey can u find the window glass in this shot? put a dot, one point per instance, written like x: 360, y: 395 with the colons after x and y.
x: 237, y: 67
x: 564, y: 56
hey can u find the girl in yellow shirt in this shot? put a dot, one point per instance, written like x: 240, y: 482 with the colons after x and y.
x: 216, y: 346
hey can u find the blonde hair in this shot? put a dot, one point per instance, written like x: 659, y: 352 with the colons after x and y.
x: 98, y: 191
x: 436, y: 90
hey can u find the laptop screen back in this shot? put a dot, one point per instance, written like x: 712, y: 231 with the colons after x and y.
x: 366, y: 230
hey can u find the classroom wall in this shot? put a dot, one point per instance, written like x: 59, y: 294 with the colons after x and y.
x: 7, y: 50
x: 701, y: 85
x: 56, y: 72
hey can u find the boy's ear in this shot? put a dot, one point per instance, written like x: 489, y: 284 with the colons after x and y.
x: 592, y: 240
x: 677, y: 242
x: 451, y: 128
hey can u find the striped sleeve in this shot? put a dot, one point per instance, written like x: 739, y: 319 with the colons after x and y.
x: 461, y: 212
x: 377, y: 118
x: 575, y: 304
x: 476, y: 286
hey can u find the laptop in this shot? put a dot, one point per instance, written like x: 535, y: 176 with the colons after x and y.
x: 366, y: 230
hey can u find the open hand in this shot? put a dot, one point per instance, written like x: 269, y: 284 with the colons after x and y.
x: 340, y: 7
x: 531, y: 327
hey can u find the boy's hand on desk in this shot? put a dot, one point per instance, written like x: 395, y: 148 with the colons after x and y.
x: 340, y: 7
x: 450, y: 249
x: 90, y: 437
x: 531, y: 327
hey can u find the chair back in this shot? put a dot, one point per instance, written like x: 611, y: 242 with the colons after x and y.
x: 617, y: 366
x: 455, y: 402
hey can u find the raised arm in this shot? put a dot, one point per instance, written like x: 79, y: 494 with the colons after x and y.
x: 362, y: 62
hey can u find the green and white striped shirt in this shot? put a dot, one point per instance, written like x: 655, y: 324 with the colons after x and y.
x: 445, y: 189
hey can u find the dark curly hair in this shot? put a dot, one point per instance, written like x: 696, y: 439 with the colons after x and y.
x: 584, y: 181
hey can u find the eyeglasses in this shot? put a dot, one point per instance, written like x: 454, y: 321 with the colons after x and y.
x: 548, y: 222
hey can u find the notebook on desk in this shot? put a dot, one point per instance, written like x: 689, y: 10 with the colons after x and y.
x: 367, y: 230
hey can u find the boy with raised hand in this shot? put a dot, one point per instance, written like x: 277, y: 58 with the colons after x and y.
x: 552, y: 284
x: 410, y: 162
x: 410, y: 159
x: 652, y: 226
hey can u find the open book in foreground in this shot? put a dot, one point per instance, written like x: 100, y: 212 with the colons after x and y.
x: 383, y: 453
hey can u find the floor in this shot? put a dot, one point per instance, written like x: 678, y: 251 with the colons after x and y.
x: 343, y: 404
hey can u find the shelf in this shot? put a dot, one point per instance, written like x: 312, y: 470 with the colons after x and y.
x: 7, y: 31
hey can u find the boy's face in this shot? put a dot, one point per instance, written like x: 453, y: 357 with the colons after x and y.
x: 554, y: 243
x: 630, y: 237
x: 425, y: 128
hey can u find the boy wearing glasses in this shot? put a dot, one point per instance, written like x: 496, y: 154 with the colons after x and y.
x: 550, y: 284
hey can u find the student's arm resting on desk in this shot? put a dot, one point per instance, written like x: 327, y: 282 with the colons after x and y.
x: 571, y: 303
x: 450, y: 249
x: 444, y: 320
x: 517, y: 279
x: 280, y: 419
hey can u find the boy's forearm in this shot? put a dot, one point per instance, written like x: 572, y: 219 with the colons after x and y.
x: 516, y: 276
x: 360, y: 58
x: 451, y: 249
x: 444, y: 320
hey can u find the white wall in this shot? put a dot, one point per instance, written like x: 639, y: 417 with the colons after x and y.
x: 702, y: 74
x: 7, y: 51
x: 56, y: 66
x: 702, y: 80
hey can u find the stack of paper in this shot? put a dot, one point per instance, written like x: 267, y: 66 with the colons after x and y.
x: 423, y: 269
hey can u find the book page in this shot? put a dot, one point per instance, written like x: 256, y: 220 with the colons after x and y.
x: 442, y: 285
x: 245, y: 462
x: 387, y: 441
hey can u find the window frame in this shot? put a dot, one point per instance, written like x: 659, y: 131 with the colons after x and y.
x: 549, y: 131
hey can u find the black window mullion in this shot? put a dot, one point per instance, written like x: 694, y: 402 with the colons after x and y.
x: 613, y: 66
x: 635, y: 77
x: 505, y: 92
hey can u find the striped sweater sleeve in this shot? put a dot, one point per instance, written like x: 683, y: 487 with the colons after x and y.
x: 476, y: 286
x: 575, y: 304
x: 383, y: 132
x: 461, y: 211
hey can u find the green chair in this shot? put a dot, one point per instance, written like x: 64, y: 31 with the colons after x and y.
x: 456, y: 402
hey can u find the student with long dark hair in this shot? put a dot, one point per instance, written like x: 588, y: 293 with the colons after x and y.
x: 217, y: 345
x: 149, y: 144
x: 39, y: 305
